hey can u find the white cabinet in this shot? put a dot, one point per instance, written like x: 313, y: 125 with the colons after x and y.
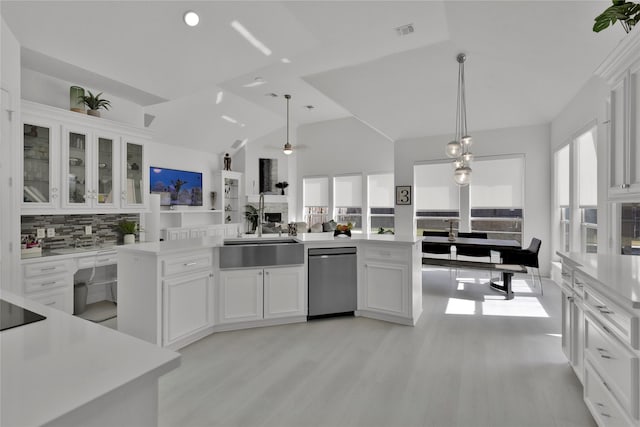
x: 186, y: 305
x: 40, y: 165
x: 621, y: 71
x: 50, y: 282
x: 573, y: 330
x: 384, y: 288
x: 103, y: 165
x: 240, y: 297
x: 284, y: 292
x: 256, y: 294
x: 167, y: 299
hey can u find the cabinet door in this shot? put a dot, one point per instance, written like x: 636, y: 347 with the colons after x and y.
x: 105, y: 176
x: 186, y: 305
x: 577, y: 337
x: 61, y: 299
x: 40, y: 173
x: 240, y: 295
x: 567, y: 301
x: 76, y: 170
x: 284, y: 292
x: 618, y: 139
x: 134, y: 189
x: 633, y: 147
x: 385, y: 288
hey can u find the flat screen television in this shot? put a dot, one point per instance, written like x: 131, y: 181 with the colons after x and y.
x: 176, y: 187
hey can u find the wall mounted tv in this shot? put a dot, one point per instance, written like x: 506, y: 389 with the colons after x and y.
x: 176, y: 187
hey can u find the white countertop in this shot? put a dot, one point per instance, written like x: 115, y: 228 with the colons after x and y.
x: 171, y: 246
x: 618, y: 273
x: 51, y: 367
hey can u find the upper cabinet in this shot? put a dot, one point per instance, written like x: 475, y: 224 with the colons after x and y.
x: 73, y: 162
x: 621, y: 70
x: 230, y: 197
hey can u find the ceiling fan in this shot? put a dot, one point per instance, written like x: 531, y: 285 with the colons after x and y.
x: 288, y: 147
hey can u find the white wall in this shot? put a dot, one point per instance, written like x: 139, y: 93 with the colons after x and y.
x: 587, y: 107
x: 532, y: 141
x: 338, y: 147
x: 48, y: 90
x: 9, y: 149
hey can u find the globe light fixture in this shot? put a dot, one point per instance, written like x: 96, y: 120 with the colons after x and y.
x: 458, y: 149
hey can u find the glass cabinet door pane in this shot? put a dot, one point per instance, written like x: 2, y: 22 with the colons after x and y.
x: 105, y: 171
x: 134, y: 173
x: 37, y: 143
x: 77, y: 167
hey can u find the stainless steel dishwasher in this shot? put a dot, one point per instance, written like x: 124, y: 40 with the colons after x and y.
x: 333, y: 281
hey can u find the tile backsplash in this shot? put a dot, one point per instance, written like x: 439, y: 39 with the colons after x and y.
x: 68, y: 228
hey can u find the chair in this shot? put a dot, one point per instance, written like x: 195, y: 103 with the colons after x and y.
x: 527, y: 257
x: 474, y: 252
x: 436, y: 249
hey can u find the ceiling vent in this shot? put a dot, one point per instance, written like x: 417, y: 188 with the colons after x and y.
x: 405, y: 30
x: 271, y: 94
x: 309, y: 107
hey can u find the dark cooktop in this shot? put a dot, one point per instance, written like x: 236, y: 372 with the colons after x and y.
x: 12, y: 315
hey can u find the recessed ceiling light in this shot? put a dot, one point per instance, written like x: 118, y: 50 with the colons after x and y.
x: 271, y: 94
x: 191, y: 18
x: 219, y: 97
x: 250, y: 38
x: 286, y: 60
x: 309, y: 107
x: 229, y: 119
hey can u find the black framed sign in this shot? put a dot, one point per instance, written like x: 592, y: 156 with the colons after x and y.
x: 403, y: 194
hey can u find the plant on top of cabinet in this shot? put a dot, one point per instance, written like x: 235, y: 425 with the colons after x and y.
x: 128, y: 230
x: 628, y: 13
x: 95, y: 103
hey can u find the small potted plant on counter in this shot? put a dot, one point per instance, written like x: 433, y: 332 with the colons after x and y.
x: 128, y: 231
x: 95, y: 103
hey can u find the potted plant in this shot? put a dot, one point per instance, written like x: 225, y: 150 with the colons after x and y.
x: 128, y: 231
x: 251, y: 213
x: 94, y: 103
x: 628, y: 13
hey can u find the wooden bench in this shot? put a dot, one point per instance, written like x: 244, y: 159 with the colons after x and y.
x: 507, y: 271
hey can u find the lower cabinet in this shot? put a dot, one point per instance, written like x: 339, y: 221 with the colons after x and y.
x: 186, y: 305
x: 385, y: 288
x: 573, y: 330
x: 50, y: 283
x: 261, y: 293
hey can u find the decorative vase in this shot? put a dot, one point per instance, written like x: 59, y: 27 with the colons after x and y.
x: 75, y: 99
x: 129, y: 239
x: 94, y: 113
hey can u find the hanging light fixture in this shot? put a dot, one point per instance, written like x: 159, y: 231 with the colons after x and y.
x: 459, y: 148
x: 288, y: 148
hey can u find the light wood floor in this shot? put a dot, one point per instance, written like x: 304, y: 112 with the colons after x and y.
x: 485, y: 366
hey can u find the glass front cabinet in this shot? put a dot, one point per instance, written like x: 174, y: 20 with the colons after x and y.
x: 40, y: 170
x: 73, y: 162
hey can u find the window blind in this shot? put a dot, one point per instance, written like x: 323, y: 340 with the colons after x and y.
x: 435, y: 187
x: 562, y: 176
x: 315, y: 191
x: 347, y: 191
x: 497, y: 183
x: 587, y: 170
x: 381, y: 191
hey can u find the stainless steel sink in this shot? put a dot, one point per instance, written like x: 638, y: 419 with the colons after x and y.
x: 261, y: 253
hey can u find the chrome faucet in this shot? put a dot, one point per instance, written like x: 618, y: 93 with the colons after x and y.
x: 260, y: 213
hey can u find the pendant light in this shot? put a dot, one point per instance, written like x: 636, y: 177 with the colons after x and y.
x: 288, y: 149
x: 459, y: 148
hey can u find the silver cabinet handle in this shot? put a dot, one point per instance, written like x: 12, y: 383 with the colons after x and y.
x: 189, y: 264
x: 47, y: 283
x: 260, y: 273
x: 266, y: 272
x: 50, y: 303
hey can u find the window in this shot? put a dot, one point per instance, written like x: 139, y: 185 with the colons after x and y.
x: 437, y: 197
x: 315, y: 197
x: 588, y: 191
x: 381, y: 203
x: 496, y: 197
x: 562, y: 196
x: 576, y: 203
x: 347, y: 200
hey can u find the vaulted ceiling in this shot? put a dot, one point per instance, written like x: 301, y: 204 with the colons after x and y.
x: 526, y: 59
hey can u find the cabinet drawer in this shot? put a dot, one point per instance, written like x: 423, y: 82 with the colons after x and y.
x: 621, y: 322
x: 98, y: 260
x: 51, y: 299
x: 616, y: 363
x: 601, y: 403
x: 578, y: 283
x: 387, y: 253
x: 187, y: 263
x: 46, y: 282
x: 45, y: 268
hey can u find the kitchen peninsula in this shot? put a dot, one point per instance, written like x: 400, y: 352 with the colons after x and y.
x: 64, y: 371
x: 174, y: 293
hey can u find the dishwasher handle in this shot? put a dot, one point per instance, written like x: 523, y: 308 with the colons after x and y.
x: 326, y: 252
